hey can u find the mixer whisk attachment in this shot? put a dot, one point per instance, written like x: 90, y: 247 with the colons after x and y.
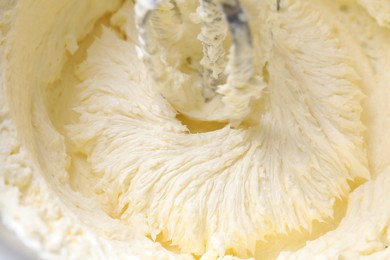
x: 214, y: 15
x: 222, y: 76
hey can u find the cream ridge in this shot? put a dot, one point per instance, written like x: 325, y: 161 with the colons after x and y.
x: 97, y: 161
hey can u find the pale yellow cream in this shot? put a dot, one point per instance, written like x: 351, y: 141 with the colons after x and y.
x: 97, y: 161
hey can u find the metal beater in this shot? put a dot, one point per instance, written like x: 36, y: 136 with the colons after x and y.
x: 216, y: 13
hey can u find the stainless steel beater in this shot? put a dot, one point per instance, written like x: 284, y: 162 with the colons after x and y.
x: 215, y: 15
x: 238, y: 24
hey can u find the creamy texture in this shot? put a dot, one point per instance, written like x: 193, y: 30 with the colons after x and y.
x: 97, y: 161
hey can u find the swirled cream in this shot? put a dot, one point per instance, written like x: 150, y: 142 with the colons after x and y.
x: 97, y: 163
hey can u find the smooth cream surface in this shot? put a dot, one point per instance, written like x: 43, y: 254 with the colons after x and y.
x: 97, y: 161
